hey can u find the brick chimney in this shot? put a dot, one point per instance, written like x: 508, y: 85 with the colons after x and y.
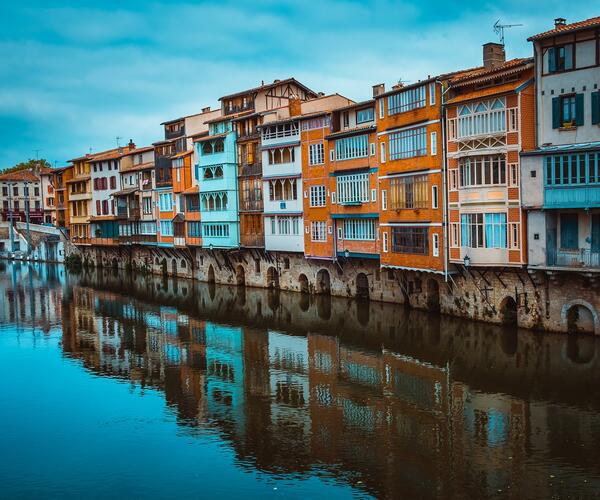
x: 206, y: 110
x: 493, y: 55
x: 131, y: 145
x: 378, y: 89
x: 559, y: 21
x: 295, y: 106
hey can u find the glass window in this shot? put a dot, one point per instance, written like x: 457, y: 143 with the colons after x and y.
x: 409, y: 192
x: 407, y: 100
x: 410, y: 240
x: 352, y: 147
x: 408, y: 143
x: 364, y: 115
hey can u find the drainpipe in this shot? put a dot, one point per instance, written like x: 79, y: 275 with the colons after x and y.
x: 444, y: 178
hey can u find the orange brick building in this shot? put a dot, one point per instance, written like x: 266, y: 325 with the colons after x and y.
x: 490, y: 120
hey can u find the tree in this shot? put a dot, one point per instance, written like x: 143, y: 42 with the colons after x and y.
x: 42, y: 163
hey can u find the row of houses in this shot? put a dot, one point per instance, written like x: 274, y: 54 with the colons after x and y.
x: 494, y: 166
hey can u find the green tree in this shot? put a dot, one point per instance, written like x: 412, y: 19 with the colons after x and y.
x: 28, y: 164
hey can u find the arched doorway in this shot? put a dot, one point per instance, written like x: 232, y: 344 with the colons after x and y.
x: 240, y: 275
x: 508, y: 311
x: 211, y: 274
x: 323, y: 282
x: 580, y: 319
x: 362, y: 286
x: 174, y: 267
x: 272, y: 278
x: 115, y: 263
x: 303, y: 280
x: 433, y: 295
x: 164, y: 266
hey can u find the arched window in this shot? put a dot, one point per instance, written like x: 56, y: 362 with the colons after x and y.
x: 224, y: 201
x: 278, y: 190
x: 219, y: 146
x: 219, y: 172
x: 208, y: 174
x: 207, y: 148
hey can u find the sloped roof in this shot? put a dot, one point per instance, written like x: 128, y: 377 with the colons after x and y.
x: 20, y: 175
x: 267, y: 86
x: 481, y: 74
x: 592, y: 22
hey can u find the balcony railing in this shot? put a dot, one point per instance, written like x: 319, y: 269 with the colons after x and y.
x: 229, y: 110
x: 246, y: 170
x: 251, y: 205
x: 125, y: 213
x: 252, y: 240
x: 576, y: 258
x: 249, y: 134
x: 571, y: 196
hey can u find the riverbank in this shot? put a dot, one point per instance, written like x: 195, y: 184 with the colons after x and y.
x: 514, y: 296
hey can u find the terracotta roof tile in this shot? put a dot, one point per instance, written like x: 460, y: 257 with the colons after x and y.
x: 481, y: 73
x: 568, y: 28
x: 20, y: 175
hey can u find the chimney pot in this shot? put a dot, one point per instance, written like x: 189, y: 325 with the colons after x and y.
x: 493, y: 55
x: 378, y: 89
x: 206, y: 109
x: 559, y: 21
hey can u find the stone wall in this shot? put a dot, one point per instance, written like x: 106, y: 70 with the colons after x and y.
x: 537, y: 300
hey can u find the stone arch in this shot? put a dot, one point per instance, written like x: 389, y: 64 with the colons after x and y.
x: 303, y: 281
x: 362, y: 286
x: 323, y: 282
x: 163, y: 264
x: 272, y: 278
x: 433, y: 294
x: 581, y: 350
x: 211, y: 274
x: 580, y: 316
x: 240, y: 275
x: 174, y: 267
x: 156, y: 261
x: 114, y: 263
x: 183, y: 264
x: 508, y: 311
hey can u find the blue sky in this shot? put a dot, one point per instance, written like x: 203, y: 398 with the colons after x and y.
x: 75, y: 75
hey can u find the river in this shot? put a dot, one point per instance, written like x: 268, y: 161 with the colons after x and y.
x: 136, y: 386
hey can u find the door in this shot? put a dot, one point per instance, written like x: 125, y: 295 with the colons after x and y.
x: 595, y: 254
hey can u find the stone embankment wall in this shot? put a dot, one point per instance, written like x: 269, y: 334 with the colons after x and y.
x: 511, y: 296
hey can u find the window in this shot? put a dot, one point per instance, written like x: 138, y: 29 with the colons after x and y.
x: 383, y: 199
x: 15, y: 190
x: 408, y: 192
x: 105, y: 207
x: 194, y: 229
x: 193, y: 203
x: 454, y: 234
x: 569, y: 231
x: 560, y: 58
x: 384, y: 240
x: 352, y: 147
x: 113, y: 182
x: 318, y: 231
x: 283, y: 189
x: 315, y: 123
x: 432, y: 94
x: 372, y: 149
x: 482, y: 171
x: 381, y: 108
x: 436, y: 245
x: 26, y: 191
x: 216, y: 230
x: 212, y: 172
x: 514, y: 234
x: 382, y: 152
x: 483, y: 230
x: 353, y: 188
x: 316, y: 154
x: 359, y: 229
x: 410, y: 240
x: 277, y: 156
x: 596, y: 102
x: 166, y: 228
x: 364, y: 115
x: 453, y: 179
x: 433, y: 143
x: 165, y: 202
x: 317, y: 196
x: 482, y: 118
x: 513, y: 170
x: 373, y: 195
x: 346, y: 118
x: 214, y: 202
x: 285, y: 225
x: 36, y: 191
x: 407, y: 100
x: 147, y: 205
x: 434, y: 197
x: 408, y: 143
x: 571, y: 169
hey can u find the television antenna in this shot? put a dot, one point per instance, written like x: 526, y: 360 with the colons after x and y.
x: 118, y: 141
x: 499, y: 29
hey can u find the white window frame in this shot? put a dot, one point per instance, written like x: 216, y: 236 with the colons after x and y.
x: 432, y: 93
x: 382, y: 108
x: 433, y: 143
x: 384, y: 243
x: 383, y: 199
x: 318, y: 197
x: 318, y: 229
x: 373, y: 194
x: 435, y: 245
x: 382, y: 151
x: 316, y: 154
x: 434, y: 197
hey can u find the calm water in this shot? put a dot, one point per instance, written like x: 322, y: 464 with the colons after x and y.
x: 141, y: 387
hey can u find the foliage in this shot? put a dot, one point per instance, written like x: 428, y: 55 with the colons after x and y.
x: 73, y: 262
x: 24, y: 165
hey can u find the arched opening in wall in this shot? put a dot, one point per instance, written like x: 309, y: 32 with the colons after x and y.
x: 509, y: 340
x: 273, y: 299
x: 211, y: 274
x: 174, y: 267
x: 324, y: 306
x: 581, y: 349
x: 323, y: 282
x: 163, y: 264
x: 240, y: 275
x: 286, y: 263
x: 433, y: 295
x: 303, y: 280
x: 580, y: 319
x: 114, y: 263
x: 183, y: 264
x: 240, y: 296
x: 304, y: 302
x: 156, y: 261
x: 272, y: 278
x: 508, y: 311
x: 362, y: 286
x: 363, y: 312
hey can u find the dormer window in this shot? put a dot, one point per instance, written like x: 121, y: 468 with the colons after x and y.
x: 560, y: 58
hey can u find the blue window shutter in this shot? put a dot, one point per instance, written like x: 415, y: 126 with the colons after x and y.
x: 556, y: 112
x: 551, y: 60
x: 579, y: 109
x: 569, y: 231
x: 596, y: 107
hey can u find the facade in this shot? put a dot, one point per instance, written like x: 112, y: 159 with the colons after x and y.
x: 21, y: 196
x: 490, y: 120
x: 59, y: 180
x: 411, y: 176
x: 80, y: 200
x: 561, y: 178
x: 246, y: 110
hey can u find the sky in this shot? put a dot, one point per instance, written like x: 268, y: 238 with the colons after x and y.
x: 76, y: 75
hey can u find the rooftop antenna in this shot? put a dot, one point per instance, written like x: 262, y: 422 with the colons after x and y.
x: 37, y: 153
x: 499, y: 29
x: 118, y: 139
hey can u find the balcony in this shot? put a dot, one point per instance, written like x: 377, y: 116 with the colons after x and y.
x: 105, y: 241
x: 580, y: 258
x: 246, y: 170
x: 128, y: 213
x: 248, y: 135
x: 251, y: 205
x: 252, y: 240
x: 576, y: 196
x: 239, y: 108
x: 174, y: 133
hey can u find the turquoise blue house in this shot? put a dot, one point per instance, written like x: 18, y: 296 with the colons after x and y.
x: 217, y: 174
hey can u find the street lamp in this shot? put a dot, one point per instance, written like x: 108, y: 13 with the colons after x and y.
x: 347, y: 253
x: 467, y: 261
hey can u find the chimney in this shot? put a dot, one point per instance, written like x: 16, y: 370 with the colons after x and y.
x: 378, y: 89
x: 206, y: 110
x: 493, y: 55
x: 295, y: 106
x: 131, y: 145
x: 559, y: 21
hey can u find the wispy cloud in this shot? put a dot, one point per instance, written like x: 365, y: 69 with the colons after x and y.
x: 75, y: 75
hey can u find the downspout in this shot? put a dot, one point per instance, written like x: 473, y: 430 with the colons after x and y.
x: 444, y: 178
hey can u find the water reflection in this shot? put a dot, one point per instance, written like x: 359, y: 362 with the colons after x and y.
x: 389, y: 400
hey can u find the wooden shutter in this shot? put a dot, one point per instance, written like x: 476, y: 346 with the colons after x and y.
x: 579, y: 109
x: 556, y: 112
x: 596, y: 107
